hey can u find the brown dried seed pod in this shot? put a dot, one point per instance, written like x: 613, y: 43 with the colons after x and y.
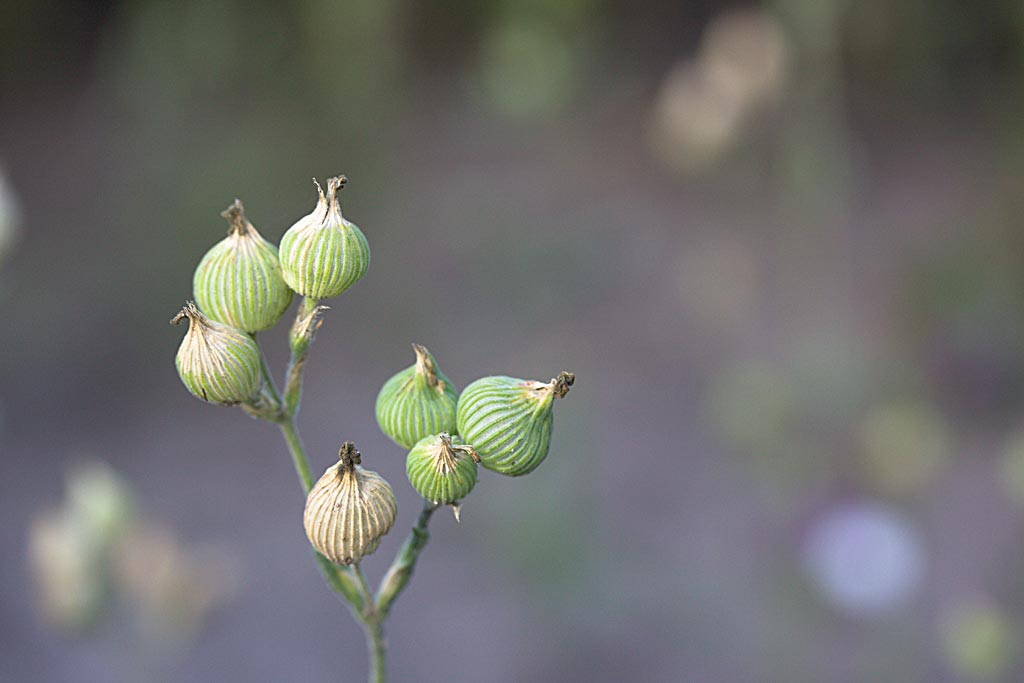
x: 349, y: 510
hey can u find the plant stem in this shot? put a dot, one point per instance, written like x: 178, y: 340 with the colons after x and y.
x: 298, y: 451
x: 401, y: 568
x: 350, y: 584
x: 378, y: 649
x: 338, y: 578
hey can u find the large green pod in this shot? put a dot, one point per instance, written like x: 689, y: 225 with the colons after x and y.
x: 509, y: 420
x: 417, y: 402
x: 239, y: 282
x: 217, y: 363
x: 349, y: 509
x: 324, y: 254
x: 442, y: 469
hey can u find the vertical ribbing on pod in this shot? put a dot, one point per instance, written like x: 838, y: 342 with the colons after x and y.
x: 239, y: 281
x: 508, y: 420
x: 217, y: 363
x: 442, y: 468
x: 349, y: 509
x: 417, y: 402
x: 323, y: 254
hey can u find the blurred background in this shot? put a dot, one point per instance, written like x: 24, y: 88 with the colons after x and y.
x: 779, y: 243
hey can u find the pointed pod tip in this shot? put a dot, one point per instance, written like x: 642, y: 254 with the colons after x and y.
x: 560, y: 385
x: 235, y: 215
x: 349, y: 456
x: 426, y: 367
x: 190, y: 311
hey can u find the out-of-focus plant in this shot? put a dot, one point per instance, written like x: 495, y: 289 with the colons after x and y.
x: 705, y: 103
x: 979, y: 641
x: 243, y: 285
x: 94, y: 550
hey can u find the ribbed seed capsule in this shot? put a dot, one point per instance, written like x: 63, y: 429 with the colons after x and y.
x: 239, y: 281
x: 323, y: 254
x: 349, y: 510
x: 508, y: 420
x: 216, y: 362
x: 442, y: 469
x: 417, y: 402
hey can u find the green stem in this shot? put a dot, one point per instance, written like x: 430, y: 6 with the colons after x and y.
x: 401, y: 568
x: 338, y: 578
x: 378, y: 649
x: 307, y: 322
x: 298, y: 451
x: 364, y: 588
x: 350, y: 584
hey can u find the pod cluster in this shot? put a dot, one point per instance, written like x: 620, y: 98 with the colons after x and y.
x: 244, y: 284
x: 502, y: 423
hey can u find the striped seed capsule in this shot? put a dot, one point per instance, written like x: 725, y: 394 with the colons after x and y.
x: 216, y: 362
x: 442, y: 469
x: 417, y: 402
x: 239, y: 281
x: 349, y: 510
x: 508, y: 420
x: 323, y: 254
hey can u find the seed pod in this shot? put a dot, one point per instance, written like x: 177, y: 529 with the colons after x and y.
x: 323, y: 254
x: 508, y: 420
x: 442, y: 469
x: 417, y: 402
x: 216, y: 362
x: 239, y: 281
x: 349, y: 510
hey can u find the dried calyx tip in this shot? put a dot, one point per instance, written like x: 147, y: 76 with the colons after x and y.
x: 425, y: 365
x: 334, y: 185
x: 235, y: 214
x: 560, y: 385
x: 190, y: 311
x: 450, y: 448
x: 349, y: 456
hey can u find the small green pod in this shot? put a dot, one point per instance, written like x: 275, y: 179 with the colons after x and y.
x: 217, y: 363
x: 417, y: 402
x: 442, y: 469
x: 349, y: 509
x: 239, y: 282
x: 323, y: 254
x: 509, y: 420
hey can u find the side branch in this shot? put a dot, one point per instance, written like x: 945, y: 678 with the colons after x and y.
x: 401, y: 568
x: 300, y: 338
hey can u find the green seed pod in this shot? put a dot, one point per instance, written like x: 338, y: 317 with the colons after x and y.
x: 349, y: 510
x: 508, y: 420
x: 323, y: 254
x: 239, y: 281
x: 442, y: 469
x: 417, y: 402
x: 216, y: 362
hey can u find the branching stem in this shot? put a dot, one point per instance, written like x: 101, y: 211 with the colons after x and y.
x: 349, y: 583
